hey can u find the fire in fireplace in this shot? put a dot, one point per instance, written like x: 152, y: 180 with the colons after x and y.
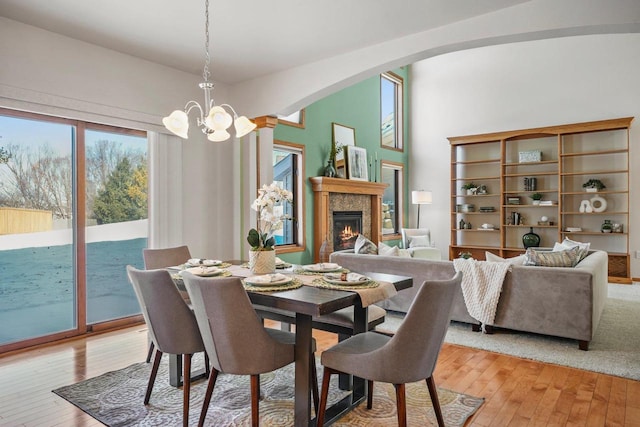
x: 347, y: 225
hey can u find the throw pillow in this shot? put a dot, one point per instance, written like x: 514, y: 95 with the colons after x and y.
x: 568, y: 244
x: 417, y: 241
x: 516, y: 260
x: 364, y: 246
x: 565, y: 258
x: 386, y: 250
x: 404, y: 253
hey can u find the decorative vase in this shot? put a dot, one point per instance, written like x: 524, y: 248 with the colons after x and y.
x: 531, y: 239
x: 607, y: 227
x: 324, y: 251
x: 262, y: 262
x: 330, y: 170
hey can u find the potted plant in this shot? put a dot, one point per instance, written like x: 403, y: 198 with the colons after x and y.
x: 470, y: 188
x: 593, y: 185
x: 536, y: 198
x: 262, y: 256
x: 465, y: 255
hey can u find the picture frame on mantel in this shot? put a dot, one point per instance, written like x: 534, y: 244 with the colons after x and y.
x: 356, y: 163
x: 342, y: 136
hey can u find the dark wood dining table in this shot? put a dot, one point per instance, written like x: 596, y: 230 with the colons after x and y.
x: 307, y: 302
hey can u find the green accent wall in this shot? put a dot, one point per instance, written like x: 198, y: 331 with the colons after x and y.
x: 357, y: 106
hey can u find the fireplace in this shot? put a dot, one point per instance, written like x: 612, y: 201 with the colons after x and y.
x: 347, y: 225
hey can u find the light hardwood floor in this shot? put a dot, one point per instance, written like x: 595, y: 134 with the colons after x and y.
x: 518, y: 392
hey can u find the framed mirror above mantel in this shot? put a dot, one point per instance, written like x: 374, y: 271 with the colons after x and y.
x: 337, y: 194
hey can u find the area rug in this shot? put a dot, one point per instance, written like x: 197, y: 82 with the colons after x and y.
x: 615, y: 349
x: 115, y: 399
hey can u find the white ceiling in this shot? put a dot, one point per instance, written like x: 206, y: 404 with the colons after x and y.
x: 249, y: 38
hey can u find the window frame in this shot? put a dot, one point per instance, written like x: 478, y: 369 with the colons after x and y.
x: 399, y: 169
x: 398, y: 111
x: 299, y: 203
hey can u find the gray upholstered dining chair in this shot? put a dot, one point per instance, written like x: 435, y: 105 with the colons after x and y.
x: 166, y: 257
x: 408, y: 356
x: 172, y: 325
x: 162, y: 258
x: 235, y: 338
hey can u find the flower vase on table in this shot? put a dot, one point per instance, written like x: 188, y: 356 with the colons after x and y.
x: 262, y: 256
x: 262, y: 262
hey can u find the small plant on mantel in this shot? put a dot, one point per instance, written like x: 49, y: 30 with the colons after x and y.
x: 465, y: 255
x: 594, y: 185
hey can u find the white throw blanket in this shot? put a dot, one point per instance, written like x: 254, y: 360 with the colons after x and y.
x: 481, y: 286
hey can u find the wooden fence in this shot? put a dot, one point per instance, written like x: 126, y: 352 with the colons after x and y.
x: 17, y: 220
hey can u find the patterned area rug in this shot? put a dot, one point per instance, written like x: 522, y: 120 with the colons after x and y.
x: 115, y: 399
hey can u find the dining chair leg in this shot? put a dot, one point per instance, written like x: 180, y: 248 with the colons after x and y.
x: 324, y: 394
x: 186, y: 389
x: 150, y: 352
x: 314, y: 383
x: 152, y: 377
x: 433, y: 392
x: 401, y: 404
x: 369, y: 394
x: 207, y: 396
x: 255, y: 400
x: 207, y: 366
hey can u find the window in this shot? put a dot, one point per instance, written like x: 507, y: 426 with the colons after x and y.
x: 391, y: 111
x: 392, y: 199
x: 288, y: 161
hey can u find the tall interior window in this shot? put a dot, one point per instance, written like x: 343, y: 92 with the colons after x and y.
x: 288, y: 161
x: 392, y: 200
x: 63, y: 248
x: 391, y: 111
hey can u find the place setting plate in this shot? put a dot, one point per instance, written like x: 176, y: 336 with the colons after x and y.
x: 346, y: 279
x: 198, y: 262
x: 203, y: 271
x: 276, y: 279
x: 322, y: 267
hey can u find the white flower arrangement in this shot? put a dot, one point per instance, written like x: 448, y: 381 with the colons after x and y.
x: 269, y: 207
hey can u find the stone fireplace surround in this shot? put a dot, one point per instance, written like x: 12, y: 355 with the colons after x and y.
x: 338, y: 194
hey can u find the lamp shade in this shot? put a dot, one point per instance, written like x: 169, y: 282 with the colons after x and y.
x: 219, y: 136
x: 243, y: 126
x: 178, y: 123
x: 421, y: 197
x: 218, y: 119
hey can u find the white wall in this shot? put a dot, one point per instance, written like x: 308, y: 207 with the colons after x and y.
x: 515, y: 86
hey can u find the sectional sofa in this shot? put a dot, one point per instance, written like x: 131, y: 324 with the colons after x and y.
x: 557, y: 301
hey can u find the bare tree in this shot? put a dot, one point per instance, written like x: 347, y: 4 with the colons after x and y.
x: 37, y: 179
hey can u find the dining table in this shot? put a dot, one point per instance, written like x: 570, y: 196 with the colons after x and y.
x: 308, y: 300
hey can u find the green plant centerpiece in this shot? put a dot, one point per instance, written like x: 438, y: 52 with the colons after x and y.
x: 261, y: 239
x: 594, y: 185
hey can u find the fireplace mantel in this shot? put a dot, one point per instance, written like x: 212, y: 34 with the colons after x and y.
x: 323, y: 187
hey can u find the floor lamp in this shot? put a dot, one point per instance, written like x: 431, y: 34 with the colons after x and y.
x: 421, y: 197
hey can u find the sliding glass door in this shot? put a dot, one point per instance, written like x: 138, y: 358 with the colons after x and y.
x: 73, y: 214
x: 116, y: 220
x: 38, y: 293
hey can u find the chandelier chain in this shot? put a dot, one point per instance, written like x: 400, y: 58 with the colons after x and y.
x: 205, y: 73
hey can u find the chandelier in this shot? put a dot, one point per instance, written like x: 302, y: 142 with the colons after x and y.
x: 214, y: 119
